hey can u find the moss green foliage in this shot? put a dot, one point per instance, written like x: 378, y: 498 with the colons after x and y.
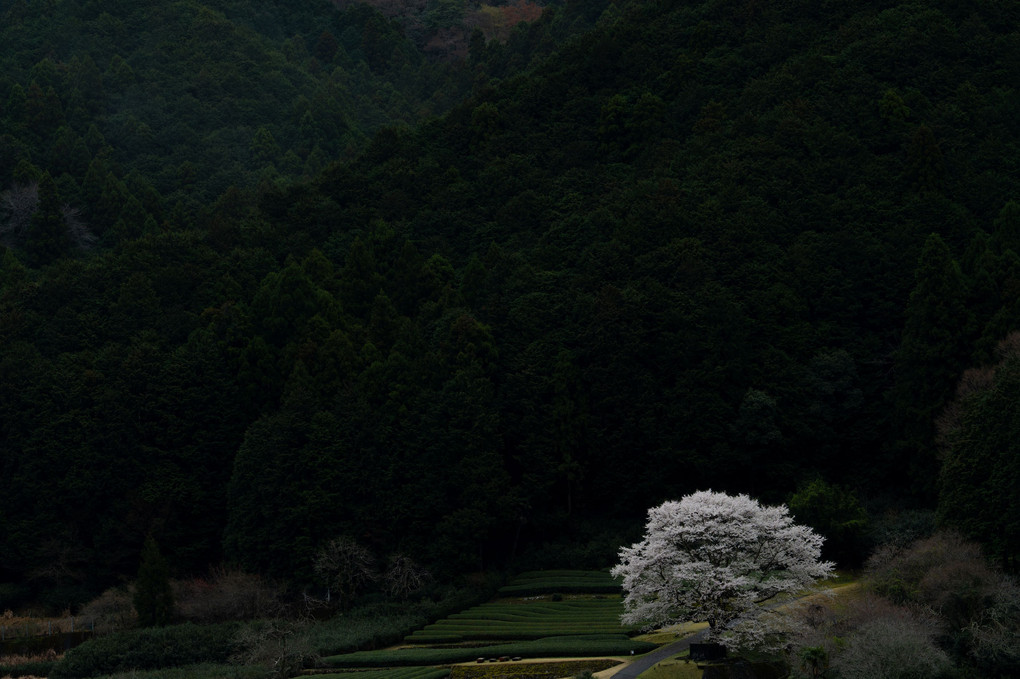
x: 590, y: 645
x: 148, y: 649
x: 836, y: 514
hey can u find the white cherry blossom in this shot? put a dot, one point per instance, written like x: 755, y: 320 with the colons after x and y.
x: 717, y: 558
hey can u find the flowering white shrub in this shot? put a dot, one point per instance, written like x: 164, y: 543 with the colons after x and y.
x: 716, y: 557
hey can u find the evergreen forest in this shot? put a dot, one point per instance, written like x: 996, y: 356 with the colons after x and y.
x: 479, y: 284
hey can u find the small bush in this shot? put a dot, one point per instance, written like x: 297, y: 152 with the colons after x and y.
x: 228, y: 594
x: 147, y: 649
x: 992, y: 640
x: 111, y: 611
x: 888, y: 648
x: 274, y: 645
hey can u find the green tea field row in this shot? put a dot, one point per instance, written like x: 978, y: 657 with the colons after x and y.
x: 565, y: 646
x: 537, y: 583
x: 396, y: 673
x: 525, y: 620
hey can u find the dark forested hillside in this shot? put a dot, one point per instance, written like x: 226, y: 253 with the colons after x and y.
x: 728, y: 245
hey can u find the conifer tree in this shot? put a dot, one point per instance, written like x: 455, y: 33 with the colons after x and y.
x: 154, y: 600
x: 48, y: 238
x: 931, y: 354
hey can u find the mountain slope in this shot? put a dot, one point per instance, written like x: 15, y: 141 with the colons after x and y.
x: 719, y: 244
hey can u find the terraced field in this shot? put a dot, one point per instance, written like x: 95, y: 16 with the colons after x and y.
x: 547, y: 614
x: 561, y: 582
x: 515, y: 621
x: 576, y: 646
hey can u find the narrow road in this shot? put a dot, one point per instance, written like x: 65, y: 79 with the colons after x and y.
x: 645, y: 661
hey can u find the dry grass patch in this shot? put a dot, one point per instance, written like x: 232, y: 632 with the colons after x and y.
x: 674, y: 668
x: 668, y: 635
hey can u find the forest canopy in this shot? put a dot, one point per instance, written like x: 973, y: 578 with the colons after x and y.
x: 272, y: 276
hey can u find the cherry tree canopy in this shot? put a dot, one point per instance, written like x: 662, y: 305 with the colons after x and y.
x: 716, y: 557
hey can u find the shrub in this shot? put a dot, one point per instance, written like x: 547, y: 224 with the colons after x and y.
x: 274, y: 645
x: 893, y: 649
x: 943, y: 573
x: 826, y: 633
x: 229, y: 594
x: 111, y: 611
x: 992, y: 639
x: 151, y: 648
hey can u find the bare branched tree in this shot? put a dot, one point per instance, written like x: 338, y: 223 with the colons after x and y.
x: 81, y: 235
x: 405, y: 576
x: 345, y: 567
x: 21, y: 201
x: 277, y: 645
x: 18, y: 203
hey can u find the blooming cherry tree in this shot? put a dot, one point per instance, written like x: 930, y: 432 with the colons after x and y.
x: 716, y: 557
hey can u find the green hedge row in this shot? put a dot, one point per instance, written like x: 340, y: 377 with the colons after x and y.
x: 565, y: 582
x: 565, y: 608
x: 550, y: 606
x: 610, y: 626
x: 490, y: 627
x: 569, y: 646
x: 533, y: 670
x: 524, y: 621
x: 536, y: 616
x: 148, y: 649
x: 540, y: 587
x: 505, y: 635
x: 562, y: 573
x: 400, y: 673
